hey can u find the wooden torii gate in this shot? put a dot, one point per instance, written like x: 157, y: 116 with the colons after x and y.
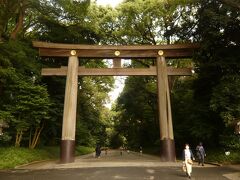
x: 72, y: 71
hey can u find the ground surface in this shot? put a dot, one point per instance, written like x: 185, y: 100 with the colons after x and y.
x: 113, y: 166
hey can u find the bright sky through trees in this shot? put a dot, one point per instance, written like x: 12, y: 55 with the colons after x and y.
x: 118, y: 85
x: 119, y: 81
x: 112, y: 3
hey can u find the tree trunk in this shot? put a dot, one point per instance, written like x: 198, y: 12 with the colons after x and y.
x: 33, y: 141
x: 19, y: 25
x: 18, y: 138
x: 30, y: 138
x: 171, y: 81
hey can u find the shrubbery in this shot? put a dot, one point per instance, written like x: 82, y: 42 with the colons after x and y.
x: 11, y: 157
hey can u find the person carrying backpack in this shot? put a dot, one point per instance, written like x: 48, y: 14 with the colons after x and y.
x: 200, y: 154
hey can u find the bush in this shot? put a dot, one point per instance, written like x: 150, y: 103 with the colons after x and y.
x: 11, y: 157
x: 81, y: 150
x: 219, y: 156
x: 5, y: 139
x: 231, y: 142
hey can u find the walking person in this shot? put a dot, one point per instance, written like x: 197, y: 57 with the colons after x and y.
x: 141, y: 151
x: 106, y: 150
x: 121, y: 150
x: 200, y: 154
x: 98, y: 151
x: 187, y: 160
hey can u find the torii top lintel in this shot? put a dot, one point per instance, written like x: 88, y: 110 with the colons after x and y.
x: 115, y: 51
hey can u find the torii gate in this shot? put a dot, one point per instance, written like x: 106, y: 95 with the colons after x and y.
x: 73, y: 51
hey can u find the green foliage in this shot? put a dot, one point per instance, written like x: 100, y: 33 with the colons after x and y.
x: 117, y: 140
x: 154, y: 21
x: 216, y: 88
x: 81, y: 150
x: 226, y: 99
x: 66, y: 23
x: 103, y: 21
x: 84, y: 136
x: 5, y: 117
x: 5, y: 138
x: 29, y: 105
x: 19, y: 55
x: 17, y: 18
x: 129, y: 122
x: 92, y: 116
x: 11, y: 157
x: 219, y: 156
x: 190, y: 119
x: 230, y: 142
x: 24, y: 100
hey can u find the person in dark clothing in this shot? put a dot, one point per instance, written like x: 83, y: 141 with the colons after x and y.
x: 98, y: 151
x: 200, y: 154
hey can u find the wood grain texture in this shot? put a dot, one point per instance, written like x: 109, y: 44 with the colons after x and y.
x: 128, y: 54
x: 162, y: 97
x: 108, y: 51
x: 164, y: 104
x: 70, y: 102
x: 82, y: 71
x: 48, y: 45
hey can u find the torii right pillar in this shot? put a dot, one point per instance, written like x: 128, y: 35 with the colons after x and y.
x: 164, y: 112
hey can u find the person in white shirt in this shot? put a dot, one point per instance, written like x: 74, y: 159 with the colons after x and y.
x: 187, y: 160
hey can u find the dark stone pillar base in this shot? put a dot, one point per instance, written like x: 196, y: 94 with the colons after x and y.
x: 67, y: 151
x: 168, y: 150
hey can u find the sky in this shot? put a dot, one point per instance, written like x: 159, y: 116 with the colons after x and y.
x: 112, y: 3
x: 118, y: 87
x: 118, y: 84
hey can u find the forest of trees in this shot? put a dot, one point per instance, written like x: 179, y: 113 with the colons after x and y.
x: 205, y: 106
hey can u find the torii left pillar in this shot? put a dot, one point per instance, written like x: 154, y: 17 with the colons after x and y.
x: 70, y: 109
x: 164, y: 111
